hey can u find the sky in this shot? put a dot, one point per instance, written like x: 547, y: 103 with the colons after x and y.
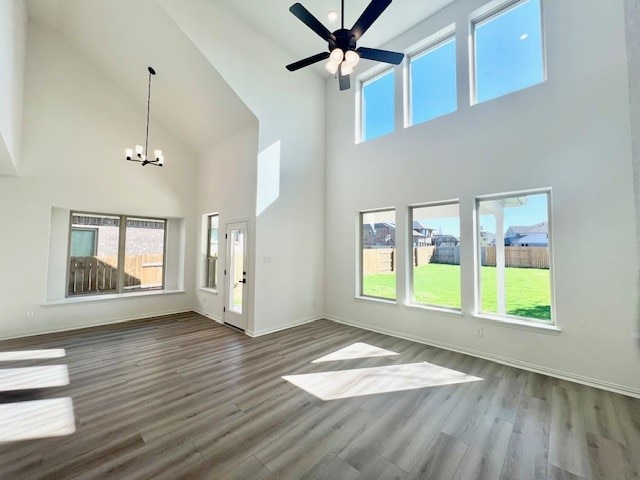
x: 508, y: 58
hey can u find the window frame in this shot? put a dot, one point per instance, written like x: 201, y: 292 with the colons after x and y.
x: 361, y: 82
x: 410, y: 294
x: 416, y: 51
x: 121, y: 289
x: 360, y: 267
x: 208, y: 252
x: 483, y: 15
x: 552, y: 323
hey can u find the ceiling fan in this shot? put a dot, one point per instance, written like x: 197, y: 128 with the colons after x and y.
x: 342, y: 53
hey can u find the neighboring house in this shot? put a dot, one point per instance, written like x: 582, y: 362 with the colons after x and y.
x: 384, y: 235
x: 444, y: 241
x: 532, y: 236
x: 422, y: 234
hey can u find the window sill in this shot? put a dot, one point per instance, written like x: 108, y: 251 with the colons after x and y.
x: 437, y: 310
x: 519, y: 324
x: 111, y: 296
x: 209, y: 290
x: 382, y: 301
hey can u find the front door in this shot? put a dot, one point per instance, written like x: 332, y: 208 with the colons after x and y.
x: 236, y: 275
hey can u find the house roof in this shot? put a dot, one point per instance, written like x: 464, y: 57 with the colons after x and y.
x: 542, y: 227
x: 533, y: 238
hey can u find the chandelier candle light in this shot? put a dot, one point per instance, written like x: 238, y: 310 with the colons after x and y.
x: 140, y: 151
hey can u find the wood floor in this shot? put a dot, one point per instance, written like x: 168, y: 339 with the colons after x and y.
x: 182, y: 397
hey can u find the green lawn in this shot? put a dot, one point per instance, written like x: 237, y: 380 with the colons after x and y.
x: 527, y: 289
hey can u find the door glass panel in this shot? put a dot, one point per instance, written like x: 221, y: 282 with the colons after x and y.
x: 236, y: 270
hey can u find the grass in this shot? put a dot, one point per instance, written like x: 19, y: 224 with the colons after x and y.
x: 527, y: 289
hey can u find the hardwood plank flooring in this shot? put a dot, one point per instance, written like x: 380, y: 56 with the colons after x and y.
x: 181, y: 397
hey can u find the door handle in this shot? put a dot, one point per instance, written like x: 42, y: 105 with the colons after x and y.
x: 242, y: 281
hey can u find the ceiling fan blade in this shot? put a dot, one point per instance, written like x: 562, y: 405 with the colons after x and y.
x: 308, y: 61
x: 370, y: 15
x: 378, y: 55
x: 344, y: 81
x: 310, y: 21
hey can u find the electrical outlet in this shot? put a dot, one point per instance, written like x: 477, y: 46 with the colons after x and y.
x: 479, y: 332
x: 30, y: 314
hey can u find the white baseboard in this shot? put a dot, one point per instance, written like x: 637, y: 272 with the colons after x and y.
x: 110, y: 321
x: 279, y: 328
x: 571, y: 377
x: 208, y: 315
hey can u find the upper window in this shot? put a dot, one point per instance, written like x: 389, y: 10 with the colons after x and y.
x: 514, y: 250
x: 378, y: 254
x: 212, y: 251
x: 378, y: 108
x: 435, y: 255
x: 508, y: 49
x: 115, y: 254
x: 433, y: 81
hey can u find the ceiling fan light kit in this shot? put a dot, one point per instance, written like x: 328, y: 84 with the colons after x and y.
x: 140, y: 153
x: 343, y: 54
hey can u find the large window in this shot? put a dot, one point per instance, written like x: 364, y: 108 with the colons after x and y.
x: 115, y: 254
x: 508, y: 48
x: 514, y: 250
x: 212, y: 251
x: 378, y: 254
x: 435, y: 255
x: 432, y: 83
x: 377, y: 101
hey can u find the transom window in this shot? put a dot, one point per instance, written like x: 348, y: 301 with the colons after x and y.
x: 115, y: 254
x: 508, y: 48
x: 377, y: 116
x: 432, y: 80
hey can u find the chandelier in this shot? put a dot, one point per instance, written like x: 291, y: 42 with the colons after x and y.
x: 140, y: 153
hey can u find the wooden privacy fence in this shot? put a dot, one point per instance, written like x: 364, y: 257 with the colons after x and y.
x: 100, y: 275
x: 382, y: 260
x: 521, y: 257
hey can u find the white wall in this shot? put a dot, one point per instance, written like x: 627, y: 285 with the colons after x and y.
x: 226, y: 185
x: 76, y: 125
x: 290, y: 111
x: 13, y: 37
x: 570, y: 133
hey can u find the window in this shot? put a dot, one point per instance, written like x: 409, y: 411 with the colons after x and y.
x: 433, y: 81
x: 508, y: 49
x: 514, y: 251
x: 378, y: 108
x: 435, y: 255
x: 378, y: 254
x: 115, y: 254
x: 212, y: 251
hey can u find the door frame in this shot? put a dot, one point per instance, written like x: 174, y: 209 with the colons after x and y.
x: 226, y: 312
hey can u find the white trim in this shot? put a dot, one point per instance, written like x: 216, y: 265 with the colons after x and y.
x: 383, y: 301
x: 111, y: 321
x: 511, y: 322
x: 287, y: 326
x: 210, y: 316
x: 105, y: 298
x: 450, y: 312
x: 571, y: 377
x: 208, y: 290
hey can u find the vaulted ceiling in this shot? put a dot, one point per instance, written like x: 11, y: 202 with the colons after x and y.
x: 123, y: 37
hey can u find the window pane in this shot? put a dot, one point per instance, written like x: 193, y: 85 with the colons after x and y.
x: 212, y: 252
x: 514, y: 252
x: 144, y: 254
x: 379, y: 254
x: 93, y: 254
x: 436, y: 255
x: 433, y: 83
x: 508, y: 49
x: 378, y: 111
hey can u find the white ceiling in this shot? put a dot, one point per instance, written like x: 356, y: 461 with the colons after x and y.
x: 123, y: 37
x: 274, y: 19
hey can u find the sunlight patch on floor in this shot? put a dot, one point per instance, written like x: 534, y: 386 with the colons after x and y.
x: 32, y: 354
x: 31, y: 378
x: 355, y: 350
x: 375, y: 380
x: 36, y: 419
